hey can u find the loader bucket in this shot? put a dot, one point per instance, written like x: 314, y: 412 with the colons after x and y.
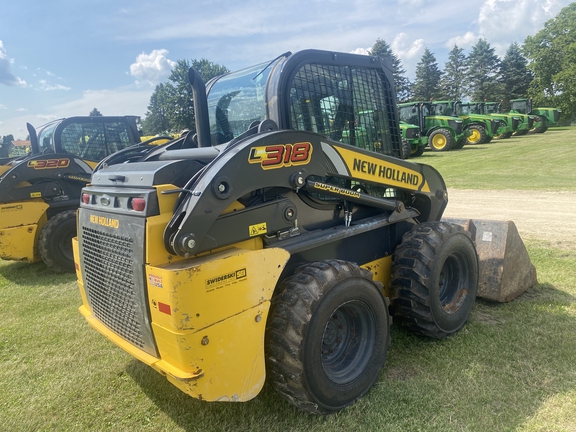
x: 505, y: 269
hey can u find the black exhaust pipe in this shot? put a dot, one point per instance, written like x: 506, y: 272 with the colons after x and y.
x: 200, y: 108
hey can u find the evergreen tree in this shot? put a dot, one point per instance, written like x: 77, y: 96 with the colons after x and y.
x: 401, y: 83
x: 454, y: 77
x: 95, y: 113
x: 427, y: 83
x: 484, y: 72
x: 515, y: 75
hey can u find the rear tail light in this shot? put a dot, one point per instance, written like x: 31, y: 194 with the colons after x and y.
x: 138, y: 204
x: 86, y: 198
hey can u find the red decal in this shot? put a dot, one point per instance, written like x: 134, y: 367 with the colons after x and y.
x: 163, y: 307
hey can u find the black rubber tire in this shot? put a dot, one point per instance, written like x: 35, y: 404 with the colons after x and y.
x: 55, y: 242
x: 419, y: 151
x: 540, y: 129
x: 327, y: 336
x: 441, y: 140
x: 434, y: 279
x: 505, y: 135
x: 479, y: 135
x: 406, y: 150
x: 459, y: 144
x: 521, y: 132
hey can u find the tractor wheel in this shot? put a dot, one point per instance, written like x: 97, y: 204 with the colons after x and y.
x: 419, y: 151
x: 327, y: 336
x: 55, y: 242
x: 406, y: 150
x: 434, y: 279
x: 520, y: 132
x: 478, y: 136
x: 539, y: 129
x: 441, y: 140
x: 459, y: 144
x: 505, y: 135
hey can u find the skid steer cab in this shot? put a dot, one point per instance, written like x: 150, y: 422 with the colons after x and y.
x: 40, y: 192
x: 275, y: 241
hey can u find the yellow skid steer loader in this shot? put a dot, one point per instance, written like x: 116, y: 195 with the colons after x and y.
x: 264, y: 245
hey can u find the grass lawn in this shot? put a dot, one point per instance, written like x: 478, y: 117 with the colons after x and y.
x: 511, y: 368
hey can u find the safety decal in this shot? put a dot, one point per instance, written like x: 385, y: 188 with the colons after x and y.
x: 258, y: 229
x: 155, y: 280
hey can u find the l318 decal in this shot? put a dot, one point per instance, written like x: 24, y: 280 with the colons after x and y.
x: 281, y: 155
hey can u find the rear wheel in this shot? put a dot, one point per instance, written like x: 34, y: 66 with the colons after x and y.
x: 478, y: 135
x: 441, y: 140
x: 459, y: 144
x: 505, y: 135
x: 55, y: 242
x: 539, y: 125
x: 327, y: 336
x: 418, y: 151
x: 434, y: 279
x: 520, y: 132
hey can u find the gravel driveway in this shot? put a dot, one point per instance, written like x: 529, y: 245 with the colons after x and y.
x: 548, y: 216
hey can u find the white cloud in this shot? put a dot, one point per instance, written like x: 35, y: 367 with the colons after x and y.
x: 46, y: 86
x: 406, y: 50
x: 2, y: 106
x: 362, y: 51
x: 465, y: 41
x: 6, y: 77
x: 502, y: 22
x: 152, y: 68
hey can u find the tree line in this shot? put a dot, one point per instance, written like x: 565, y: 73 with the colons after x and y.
x: 543, y: 68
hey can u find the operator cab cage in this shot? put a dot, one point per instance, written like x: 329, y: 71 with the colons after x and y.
x: 90, y: 138
x: 345, y: 97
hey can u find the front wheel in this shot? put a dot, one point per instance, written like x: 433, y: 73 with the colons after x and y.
x: 55, y: 242
x: 434, y: 279
x: 406, y: 149
x: 441, y: 140
x: 327, y: 336
x: 418, y: 151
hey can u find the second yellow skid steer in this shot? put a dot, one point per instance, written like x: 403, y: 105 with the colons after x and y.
x: 278, y: 240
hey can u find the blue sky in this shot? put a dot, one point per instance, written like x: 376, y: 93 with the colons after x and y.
x: 65, y: 57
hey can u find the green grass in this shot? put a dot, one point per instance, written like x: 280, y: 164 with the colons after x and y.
x: 531, y: 162
x: 511, y: 368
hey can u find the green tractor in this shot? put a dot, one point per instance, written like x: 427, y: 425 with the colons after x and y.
x: 524, y: 121
x: 440, y: 132
x: 509, y: 123
x: 543, y: 117
x: 411, y: 135
x: 482, y: 128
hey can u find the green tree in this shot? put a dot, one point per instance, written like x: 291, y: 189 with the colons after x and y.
x: 95, y: 113
x: 551, y: 57
x: 427, y: 83
x: 171, y: 107
x: 401, y: 83
x: 454, y: 78
x: 6, y: 145
x: 484, y: 72
x: 514, y: 74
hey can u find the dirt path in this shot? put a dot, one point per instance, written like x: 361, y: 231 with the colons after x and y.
x: 548, y: 216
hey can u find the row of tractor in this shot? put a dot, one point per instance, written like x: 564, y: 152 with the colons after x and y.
x: 449, y: 125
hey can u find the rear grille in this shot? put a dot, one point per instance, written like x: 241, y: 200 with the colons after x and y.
x: 109, y: 282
